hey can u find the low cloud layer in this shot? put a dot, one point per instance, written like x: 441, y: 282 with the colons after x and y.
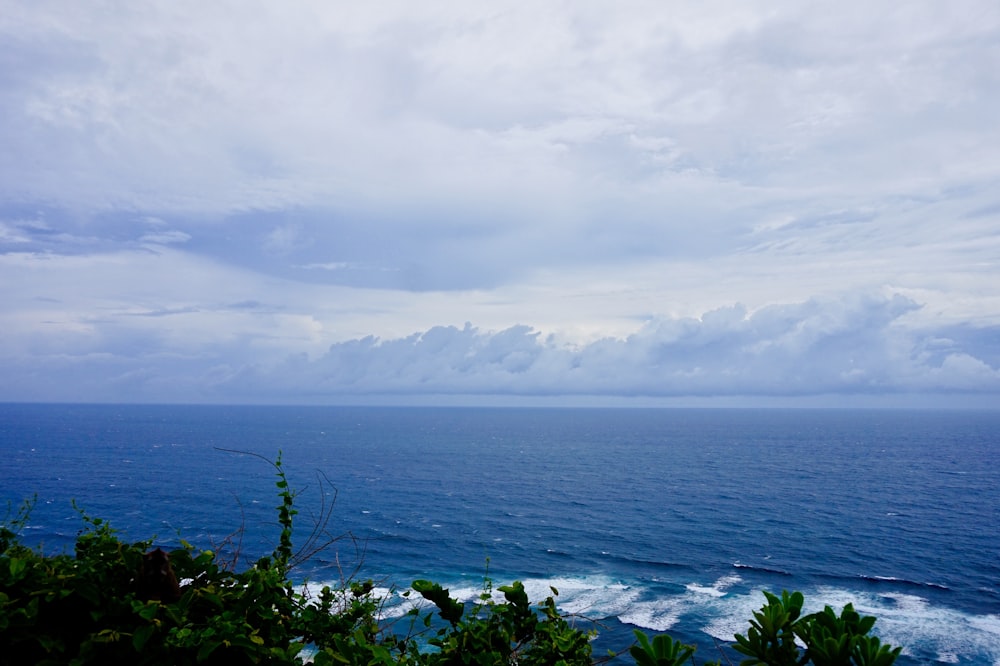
x: 849, y: 346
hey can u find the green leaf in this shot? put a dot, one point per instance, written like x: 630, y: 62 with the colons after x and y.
x: 17, y: 566
x: 142, y: 636
x: 449, y: 609
x: 148, y: 610
x: 663, y: 651
x: 206, y: 649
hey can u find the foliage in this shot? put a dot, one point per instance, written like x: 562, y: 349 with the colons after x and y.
x: 503, y: 633
x: 88, y: 608
x: 828, y: 640
x: 94, y: 607
x: 663, y: 651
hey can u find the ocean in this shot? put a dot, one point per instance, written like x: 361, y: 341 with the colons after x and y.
x: 668, y: 520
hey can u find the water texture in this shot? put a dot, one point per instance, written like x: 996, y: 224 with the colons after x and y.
x: 669, y: 520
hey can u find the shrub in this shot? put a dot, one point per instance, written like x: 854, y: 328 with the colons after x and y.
x: 88, y: 608
x: 828, y: 639
x: 512, y: 632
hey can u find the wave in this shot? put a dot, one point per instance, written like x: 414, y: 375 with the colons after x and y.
x: 928, y: 631
x: 647, y: 562
x: 754, y: 567
x: 594, y: 597
x: 902, y: 581
x: 718, y: 609
x: 717, y: 589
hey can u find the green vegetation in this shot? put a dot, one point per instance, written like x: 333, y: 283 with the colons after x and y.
x: 830, y: 640
x: 113, y: 602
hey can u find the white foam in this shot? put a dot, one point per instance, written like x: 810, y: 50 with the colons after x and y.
x: 663, y: 613
x: 654, y: 616
x: 593, y: 596
x: 924, y: 630
x: 391, y: 600
x: 718, y: 589
x: 731, y: 615
x: 986, y: 623
x: 701, y: 589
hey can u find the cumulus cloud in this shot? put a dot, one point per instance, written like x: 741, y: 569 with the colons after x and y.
x: 847, y: 346
x: 787, y: 350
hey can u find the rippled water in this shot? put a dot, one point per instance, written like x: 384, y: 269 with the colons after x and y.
x: 661, y: 519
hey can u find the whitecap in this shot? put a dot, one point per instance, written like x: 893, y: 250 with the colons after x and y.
x: 986, y: 623
x: 717, y: 589
x: 593, y: 596
x: 392, y: 603
x: 709, y: 591
x: 654, y: 616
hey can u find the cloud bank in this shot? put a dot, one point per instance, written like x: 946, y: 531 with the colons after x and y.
x: 805, y: 348
x: 852, y: 346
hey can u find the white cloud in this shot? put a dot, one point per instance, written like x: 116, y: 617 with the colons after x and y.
x: 178, y: 105
x: 572, y: 167
x: 852, y: 345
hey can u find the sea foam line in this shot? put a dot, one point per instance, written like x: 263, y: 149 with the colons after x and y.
x: 925, y: 631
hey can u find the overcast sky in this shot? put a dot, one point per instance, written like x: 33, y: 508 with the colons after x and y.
x: 324, y: 202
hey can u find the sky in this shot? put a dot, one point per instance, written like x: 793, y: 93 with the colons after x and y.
x: 570, y: 202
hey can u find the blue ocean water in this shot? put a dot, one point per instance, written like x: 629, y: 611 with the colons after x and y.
x: 667, y: 520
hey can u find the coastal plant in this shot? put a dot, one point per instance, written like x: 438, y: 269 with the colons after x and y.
x: 771, y: 637
x: 824, y: 638
x: 88, y: 607
x: 12, y: 525
x: 287, y: 555
x: 662, y: 651
x: 511, y: 632
x: 833, y: 640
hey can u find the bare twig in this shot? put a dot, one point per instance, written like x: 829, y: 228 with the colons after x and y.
x: 320, y: 537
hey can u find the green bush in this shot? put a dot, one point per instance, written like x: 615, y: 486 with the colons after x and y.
x: 88, y: 608
x: 512, y: 632
x: 829, y: 640
x: 92, y: 607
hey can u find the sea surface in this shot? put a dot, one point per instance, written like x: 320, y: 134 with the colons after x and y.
x: 668, y: 520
